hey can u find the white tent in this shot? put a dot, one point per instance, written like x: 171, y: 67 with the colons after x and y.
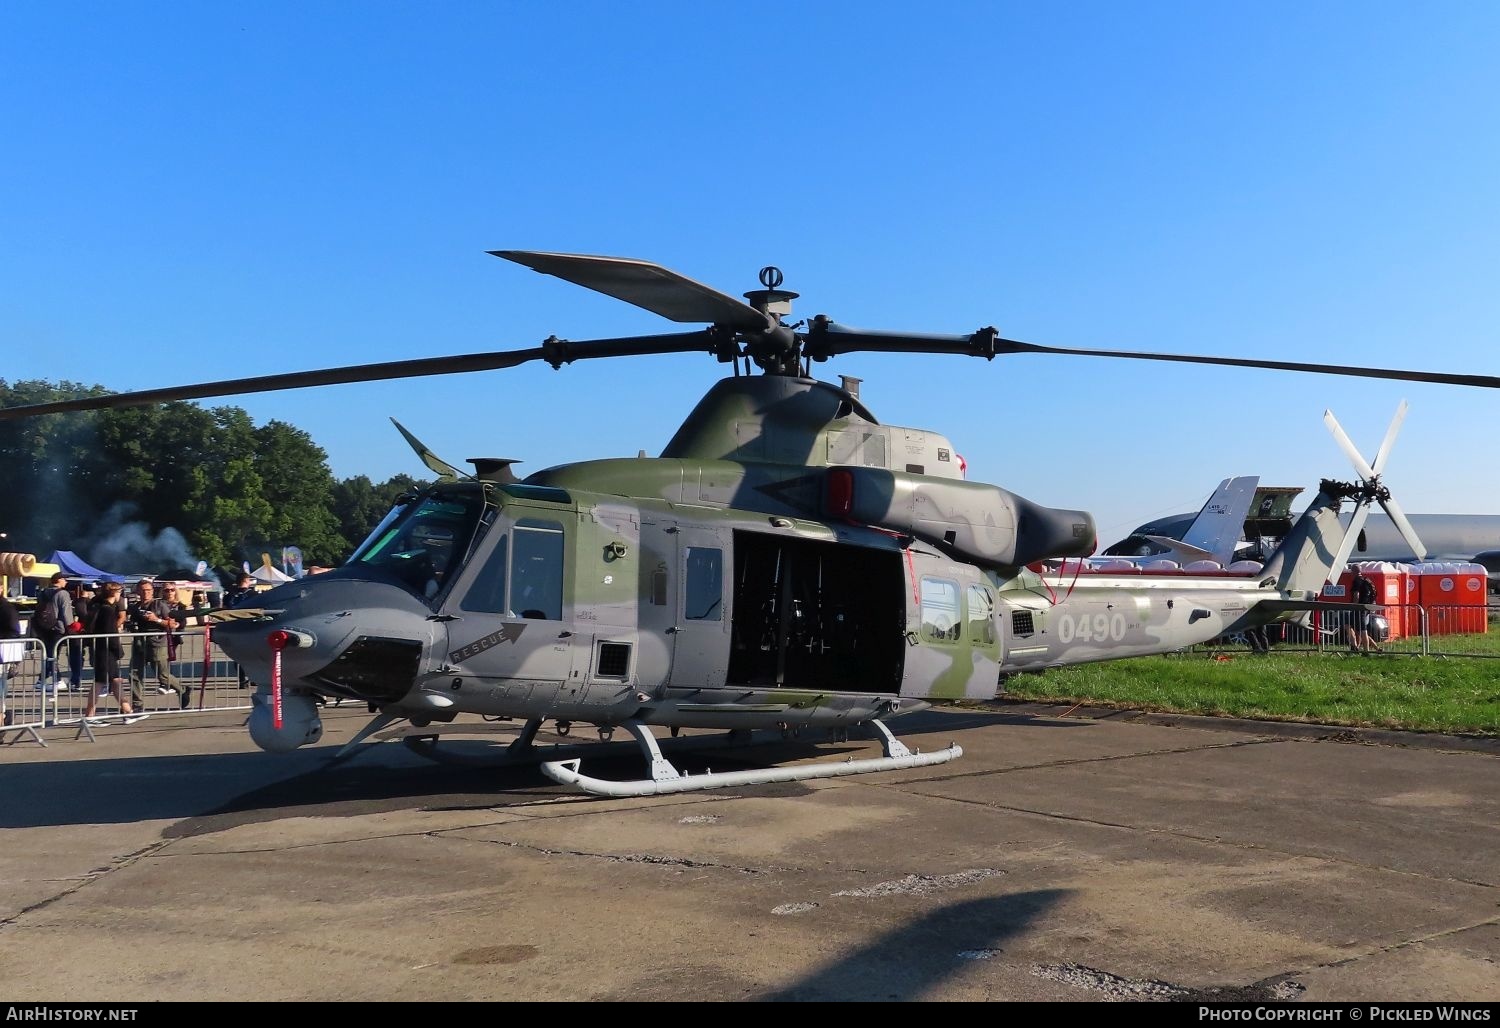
x: 266, y: 573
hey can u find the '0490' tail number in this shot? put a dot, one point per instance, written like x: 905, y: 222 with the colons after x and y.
x: 1092, y: 628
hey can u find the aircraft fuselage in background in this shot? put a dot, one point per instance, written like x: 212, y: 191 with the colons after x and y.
x: 1448, y: 537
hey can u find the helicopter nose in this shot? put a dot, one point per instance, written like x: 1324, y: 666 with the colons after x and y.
x: 351, y: 637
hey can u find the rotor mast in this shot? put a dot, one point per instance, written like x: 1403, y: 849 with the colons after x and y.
x: 777, y: 351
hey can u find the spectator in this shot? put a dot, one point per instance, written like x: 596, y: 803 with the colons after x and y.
x: 49, y: 623
x: 1361, y: 637
x: 107, y: 621
x: 83, y: 601
x: 10, y: 630
x: 244, y: 586
x: 178, y: 613
x: 150, y: 617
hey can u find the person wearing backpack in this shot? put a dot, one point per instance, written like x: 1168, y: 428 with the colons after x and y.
x: 1361, y: 629
x: 49, y: 623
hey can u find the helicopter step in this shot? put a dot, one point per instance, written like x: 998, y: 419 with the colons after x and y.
x: 666, y: 779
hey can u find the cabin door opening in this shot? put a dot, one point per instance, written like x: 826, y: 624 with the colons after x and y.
x: 815, y: 615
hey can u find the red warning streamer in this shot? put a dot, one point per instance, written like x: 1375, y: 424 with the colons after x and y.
x: 278, y: 641
x: 208, y: 650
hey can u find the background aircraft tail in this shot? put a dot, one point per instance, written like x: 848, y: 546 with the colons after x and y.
x: 1215, y: 533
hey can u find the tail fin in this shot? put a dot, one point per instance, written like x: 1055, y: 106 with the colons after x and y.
x: 1215, y: 533
x: 1303, y: 561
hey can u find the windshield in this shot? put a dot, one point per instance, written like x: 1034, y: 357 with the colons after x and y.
x: 424, y: 540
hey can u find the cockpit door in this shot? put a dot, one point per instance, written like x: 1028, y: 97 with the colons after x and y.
x: 513, y: 625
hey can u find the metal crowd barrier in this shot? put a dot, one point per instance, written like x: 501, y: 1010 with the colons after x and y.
x: 38, y: 700
x: 1428, y: 630
x: 25, y: 709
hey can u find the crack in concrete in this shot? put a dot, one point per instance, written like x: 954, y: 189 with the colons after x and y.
x: 1107, y: 758
x: 80, y: 883
x: 1216, y: 840
x: 1173, y: 832
x: 1488, y: 922
x: 637, y: 858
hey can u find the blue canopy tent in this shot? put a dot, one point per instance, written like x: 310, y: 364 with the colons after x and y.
x: 75, y: 566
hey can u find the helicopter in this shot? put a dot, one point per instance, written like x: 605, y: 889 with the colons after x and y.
x: 788, y: 562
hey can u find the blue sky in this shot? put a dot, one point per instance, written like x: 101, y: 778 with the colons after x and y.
x: 199, y: 191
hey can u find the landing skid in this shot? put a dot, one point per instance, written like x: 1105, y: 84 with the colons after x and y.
x: 429, y: 742
x: 560, y: 762
x: 667, y: 779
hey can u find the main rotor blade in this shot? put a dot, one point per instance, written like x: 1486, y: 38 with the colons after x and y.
x: 825, y: 339
x: 1351, y: 536
x: 1378, y: 464
x: 1398, y: 518
x: 646, y: 285
x: 1365, y: 472
x: 556, y: 352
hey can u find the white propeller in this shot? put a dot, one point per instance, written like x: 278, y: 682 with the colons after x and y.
x: 1369, y: 475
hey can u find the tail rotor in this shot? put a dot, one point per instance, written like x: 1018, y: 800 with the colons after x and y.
x: 1370, y: 489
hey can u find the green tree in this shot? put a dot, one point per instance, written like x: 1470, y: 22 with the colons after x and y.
x: 358, y: 504
x: 48, y: 468
x: 297, y: 483
x: 231, y: 489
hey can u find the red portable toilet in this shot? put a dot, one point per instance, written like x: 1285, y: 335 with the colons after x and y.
x: 1411, y: 605
x: 1470, y: 584
x: 1392, y: 589
x: 1475, y: 589
x: 1429, y: 595
x: 1453, y: 595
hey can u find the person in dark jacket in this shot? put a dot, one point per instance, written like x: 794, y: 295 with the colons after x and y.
x: 56, y: 602
x: 83, y: 600
x: 1361, y: 636
x: 244, y: 586
x: 107, y: 621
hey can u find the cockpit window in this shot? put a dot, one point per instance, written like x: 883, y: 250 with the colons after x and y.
x: 424, y: 541
x: 536, y: 573
x: 528, y: 562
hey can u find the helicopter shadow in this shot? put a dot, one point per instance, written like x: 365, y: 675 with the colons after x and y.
x: 907, y: 963
x: 208, y: 792
x: 214, y: 791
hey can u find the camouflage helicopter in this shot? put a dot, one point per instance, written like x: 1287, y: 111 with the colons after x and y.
x: 788, y: 562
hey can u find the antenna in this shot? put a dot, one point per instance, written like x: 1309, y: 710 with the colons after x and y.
x: 772, y: 299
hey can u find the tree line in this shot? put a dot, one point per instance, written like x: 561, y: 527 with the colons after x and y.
x: 230, y: 488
